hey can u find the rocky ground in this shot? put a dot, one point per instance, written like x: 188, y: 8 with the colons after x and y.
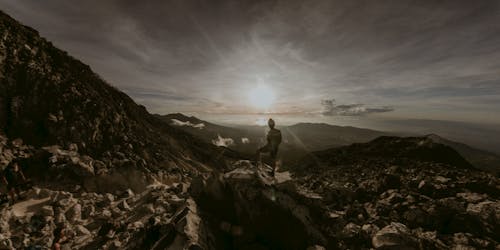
x: 375, y: 195
x: 160, y: 213
x: 345, y: 199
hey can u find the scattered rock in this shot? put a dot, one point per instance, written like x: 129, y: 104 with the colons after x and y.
x: 394, y: 236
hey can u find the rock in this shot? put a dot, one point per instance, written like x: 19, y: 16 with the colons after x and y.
x: 47, y: 211
x: 135, y: 226
x: 316, y: 247
x: 81, y: 230
x: 351, y: 230
x: 394, y: 236
x: 472, y: 197
x: 106, y: 214
x: 174, y: 199
x: 370, y: 229
x: 88, y: 211
x: 109, y: 198
x: 123, y: 205
x: 442, y: 179
x: 84, y: 169
x: 421, y: 184
x: 74, y: 214
x: 487, y: 210
x: 148, y: 208
x: 44, y: 193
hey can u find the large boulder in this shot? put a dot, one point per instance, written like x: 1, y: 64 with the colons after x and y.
x: 395, y: 236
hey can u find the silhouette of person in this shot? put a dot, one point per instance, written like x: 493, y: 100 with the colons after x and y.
x: 273, y: 142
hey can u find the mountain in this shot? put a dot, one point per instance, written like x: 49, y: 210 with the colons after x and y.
x: 482, y: 159
x: 106, y: 173
x: 389, y: 149
x: 50, y: 98
x: 298, y: 139
x: 203, y: 129
x: 317, y: 136
x: 302, y: 138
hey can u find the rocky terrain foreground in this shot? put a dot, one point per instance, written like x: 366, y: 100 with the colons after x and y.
x: 357, y: 202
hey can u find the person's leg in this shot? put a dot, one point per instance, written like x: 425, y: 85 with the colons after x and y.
x: 261, y: 150
x: 273, y: 154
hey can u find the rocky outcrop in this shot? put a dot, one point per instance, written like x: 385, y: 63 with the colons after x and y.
x: 158, y: 218
x: 248, y: 209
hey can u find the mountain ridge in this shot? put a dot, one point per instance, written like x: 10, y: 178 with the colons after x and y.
x: 48, y: 97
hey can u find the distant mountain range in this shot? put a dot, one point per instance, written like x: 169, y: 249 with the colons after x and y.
x: 303, y: 138
x: 298, y: 139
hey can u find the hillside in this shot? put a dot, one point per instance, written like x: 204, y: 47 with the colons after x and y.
x: 479, y: 158
x: 50, y: 98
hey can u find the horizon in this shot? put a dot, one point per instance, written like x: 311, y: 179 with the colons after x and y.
x: 426, y: 60
x: 471, y: 134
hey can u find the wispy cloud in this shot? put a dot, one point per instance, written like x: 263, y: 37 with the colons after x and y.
x: 330, y: 109
x: 189, y: 56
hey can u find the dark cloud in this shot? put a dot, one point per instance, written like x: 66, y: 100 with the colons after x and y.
x: 330, y: 108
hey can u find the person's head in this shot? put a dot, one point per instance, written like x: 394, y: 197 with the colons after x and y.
x: 271, y: 123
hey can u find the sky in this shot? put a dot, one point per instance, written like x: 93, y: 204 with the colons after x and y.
x: 331, y: 61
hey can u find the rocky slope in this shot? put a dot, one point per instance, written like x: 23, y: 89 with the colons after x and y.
x: 114, y: 175
x: 418, y: 193
x: 479, y: 158
x: 49, y: 98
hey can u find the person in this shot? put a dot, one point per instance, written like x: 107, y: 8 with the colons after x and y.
x: 273, y: 142
x: 13, y: 177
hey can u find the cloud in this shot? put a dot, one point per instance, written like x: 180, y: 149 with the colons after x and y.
x: 245, y: 140
x: 221, y: 141
x: 401, y: 52
x: 330, y: 109
x: 176, y: 122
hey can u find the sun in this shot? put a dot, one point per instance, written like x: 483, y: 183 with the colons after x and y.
x: 261, y: 97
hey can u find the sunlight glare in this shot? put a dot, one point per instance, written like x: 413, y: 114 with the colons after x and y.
x: 261, y: 97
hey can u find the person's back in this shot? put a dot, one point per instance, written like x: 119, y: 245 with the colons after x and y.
x: 274, y: 138
x: 273, y: 142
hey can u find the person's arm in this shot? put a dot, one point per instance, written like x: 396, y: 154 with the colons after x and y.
x: 5, y: 180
